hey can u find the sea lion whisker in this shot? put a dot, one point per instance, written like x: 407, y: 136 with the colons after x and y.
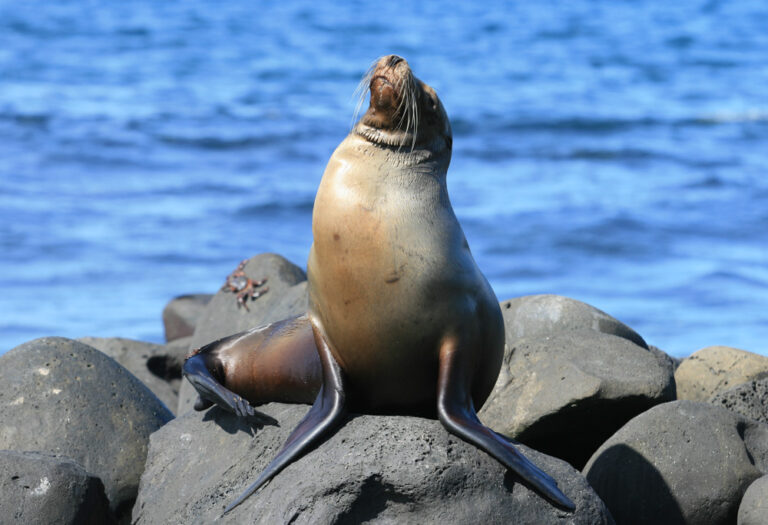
x: 415, y: 112
x: 361, y: 92
x: 408, y: 108
x: 403, y: 108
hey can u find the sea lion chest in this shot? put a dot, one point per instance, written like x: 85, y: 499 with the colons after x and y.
x: 389, y: 270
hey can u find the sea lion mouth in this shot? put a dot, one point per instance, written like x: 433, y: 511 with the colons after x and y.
x: 382, y: 78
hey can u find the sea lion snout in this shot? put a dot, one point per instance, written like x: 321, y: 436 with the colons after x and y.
x: 393, y: 60
x: 382, y: 93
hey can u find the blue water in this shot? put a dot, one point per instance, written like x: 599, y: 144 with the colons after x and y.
x: 614, y: 152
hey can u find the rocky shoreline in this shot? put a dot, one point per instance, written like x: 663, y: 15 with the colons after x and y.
x: 101, y: 430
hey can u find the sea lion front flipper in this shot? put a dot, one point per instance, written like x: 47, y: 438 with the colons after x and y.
x: 457, y: 414
x: 210, y: 390
x: 327, y: 411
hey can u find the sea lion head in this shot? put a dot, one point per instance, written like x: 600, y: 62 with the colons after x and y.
x: 403, y: 111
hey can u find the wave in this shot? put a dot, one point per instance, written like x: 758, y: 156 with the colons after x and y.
x: 276, y: 207
x: 730, y: 278
x: 221, y: 143
x: 596, y: 155
x: 585, y: 124
x: 37, y: 120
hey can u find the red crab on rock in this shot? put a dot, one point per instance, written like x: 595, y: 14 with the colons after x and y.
x: 245, y: 287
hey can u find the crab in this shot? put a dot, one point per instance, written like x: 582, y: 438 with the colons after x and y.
x: 245, y: 287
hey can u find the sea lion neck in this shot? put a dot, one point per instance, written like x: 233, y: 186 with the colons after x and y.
x: 384, y: 149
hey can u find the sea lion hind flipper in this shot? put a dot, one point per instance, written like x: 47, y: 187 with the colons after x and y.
x: 326, y: 413
x: 457, y: 414
x: 211, y: 392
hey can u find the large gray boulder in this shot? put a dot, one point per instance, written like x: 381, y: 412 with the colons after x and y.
x: 535, y: 316
x: 716, y: 369
x: 566, y: 392
x: 49, y: 490
x: 680, y: 462
x: 374, y: 469
x: 748, y: 399
x: 181, y: 313
x: 150, y: 363
x: 753, y: 509
x: 63, y: 397
x: 287, y: 297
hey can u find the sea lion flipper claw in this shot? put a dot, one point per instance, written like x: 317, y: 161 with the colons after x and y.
x: 457, y: 414
x: 211, y: 391
x: 326, y: 413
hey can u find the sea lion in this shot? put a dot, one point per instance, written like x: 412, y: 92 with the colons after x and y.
x: 401, y: 318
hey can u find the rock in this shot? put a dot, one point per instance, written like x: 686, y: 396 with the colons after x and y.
x: 715, y: 369
x: 46, y: 489
x: 566, y: 392
x: 754, y: 505
x: 287, y: 297
x: 176, y: 351
x: 374, y: 469
x: 149, y: 362
x: 187, y: 397
x: 749, y: 399
x: 222, y: 316
x: 671, y: 362
x: 180, y: 315
x: 680, y: 462
x: 534, y: 316
x: 63, y: 397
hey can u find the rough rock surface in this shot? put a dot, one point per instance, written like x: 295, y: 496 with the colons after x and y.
x: 375, y: 469
x: 671, y: 362
x: 680, y: 462
x: 748, y: 399
x: 533, y: 316
x: 178, y: 349
x: 48, y: 490
x: 222, y: 316
x: 287, y: 297
x: 754, y: 505
x: 566, y: 392
x: 715, y: 369
x: 180, y: 315
x: 63, y: 397
x: 149, y: 362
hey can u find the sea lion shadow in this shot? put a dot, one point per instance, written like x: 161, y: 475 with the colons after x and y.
x: 233, y: 424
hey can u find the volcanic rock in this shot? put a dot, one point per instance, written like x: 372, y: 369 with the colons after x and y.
x: 680, y: 462
x: 566, y: 392
x: 63, y: 397
x: 374, y: 469
x: 748, y: 399
x: 754, y: 505
x: 48, y: 490
x: 150, y: 363
x: 180, y: 315
x: 716, y: 369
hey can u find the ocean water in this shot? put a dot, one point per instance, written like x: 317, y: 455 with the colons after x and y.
x: 613, y: 152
